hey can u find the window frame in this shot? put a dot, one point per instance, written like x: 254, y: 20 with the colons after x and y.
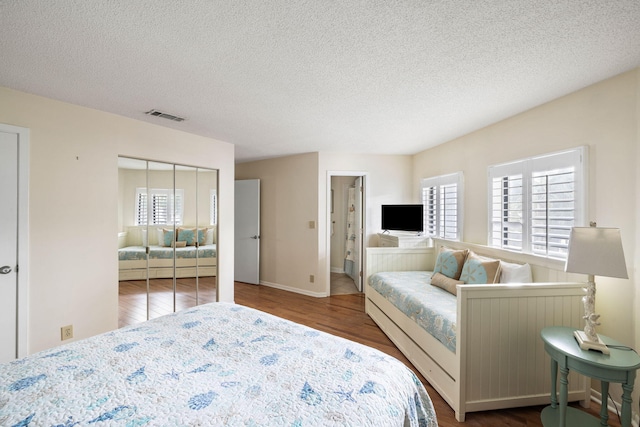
x: 545, y: 164
x: 438, y: 183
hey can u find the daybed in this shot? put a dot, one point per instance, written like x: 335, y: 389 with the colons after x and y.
x: 132, y: 258
x: 488, y: 354
x: 212, y: 365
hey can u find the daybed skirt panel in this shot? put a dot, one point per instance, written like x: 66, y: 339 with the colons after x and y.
x: 216, y: 364
x: 432, y: 308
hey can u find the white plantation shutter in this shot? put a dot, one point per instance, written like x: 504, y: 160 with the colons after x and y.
x: 507, y: 216
x: 160, y: 207
x: 141, y: 206
x: 429, y: 202
x: 442, y: 200
x: 534, y: 202
x: 552, y: 211
x: 448, y: 224
x: 177, y: 209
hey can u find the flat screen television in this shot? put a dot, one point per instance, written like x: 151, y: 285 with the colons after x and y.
x: 402, y: 218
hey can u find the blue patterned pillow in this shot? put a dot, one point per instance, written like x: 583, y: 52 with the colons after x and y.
x: 450, y: 262
x: 480, y: 270
x: 202, y: 235
x: 187, y: 235
x: 167, y: 237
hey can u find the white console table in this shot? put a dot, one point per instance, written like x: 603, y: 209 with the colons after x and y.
x: 398, y: 240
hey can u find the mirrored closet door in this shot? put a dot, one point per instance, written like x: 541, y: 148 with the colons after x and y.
x: 167, y: 251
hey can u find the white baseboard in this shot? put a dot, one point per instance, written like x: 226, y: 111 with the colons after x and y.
x: 337, y: 270
x: 295, y: 290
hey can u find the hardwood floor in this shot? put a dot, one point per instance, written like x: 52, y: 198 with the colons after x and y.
x: 132, y: 306
x: 341, y: 315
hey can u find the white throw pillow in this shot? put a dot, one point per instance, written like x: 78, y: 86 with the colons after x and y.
x: 209, y: 239
x: 515, y: 273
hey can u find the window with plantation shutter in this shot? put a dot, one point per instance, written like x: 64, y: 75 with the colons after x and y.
x: 534, y: 202
x: 442, y: 201
x: 159, y: 206
x: 507, y: 213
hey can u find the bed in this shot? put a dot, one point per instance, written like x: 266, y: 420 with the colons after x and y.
x: 215, y: 364
x: 132, y: 260
x: 479, y: 349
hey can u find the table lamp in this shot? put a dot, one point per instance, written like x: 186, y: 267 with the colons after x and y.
x: 595, y: 251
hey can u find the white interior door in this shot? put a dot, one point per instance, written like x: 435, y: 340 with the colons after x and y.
x: 247, y: 231
x: 8, y: 246
x: 358, y: 247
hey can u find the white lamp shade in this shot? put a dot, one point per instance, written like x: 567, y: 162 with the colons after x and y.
x: 597, y: 251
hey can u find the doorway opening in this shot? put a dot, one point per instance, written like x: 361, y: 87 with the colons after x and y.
x: 345, y: 231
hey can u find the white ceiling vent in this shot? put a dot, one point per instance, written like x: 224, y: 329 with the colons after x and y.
x: 165, y: 115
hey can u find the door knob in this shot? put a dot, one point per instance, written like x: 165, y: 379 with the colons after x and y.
x: 5, y: 269
x: 255, y: 237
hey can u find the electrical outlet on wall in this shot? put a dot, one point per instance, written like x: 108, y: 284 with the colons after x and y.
x: 66, y: 332
x: 312, y: 278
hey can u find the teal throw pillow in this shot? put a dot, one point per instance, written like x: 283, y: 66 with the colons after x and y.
x: 187, y: 235
x: 450, y: 262
x: 167, y: 237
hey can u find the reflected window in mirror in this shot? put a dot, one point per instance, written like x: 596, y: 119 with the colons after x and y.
x: 166, y: 207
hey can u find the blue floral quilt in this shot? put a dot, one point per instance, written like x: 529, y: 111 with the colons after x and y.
x: 212, y: 365
x: 432, y: 308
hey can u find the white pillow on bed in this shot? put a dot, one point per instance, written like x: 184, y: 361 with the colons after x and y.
x: 515, y: 273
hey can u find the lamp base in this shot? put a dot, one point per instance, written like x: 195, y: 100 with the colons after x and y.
x: 586, y: 344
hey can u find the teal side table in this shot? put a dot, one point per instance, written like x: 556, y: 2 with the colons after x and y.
x: 618, y: 367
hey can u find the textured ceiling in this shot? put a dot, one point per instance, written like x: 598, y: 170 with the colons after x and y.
x: 278, y: 77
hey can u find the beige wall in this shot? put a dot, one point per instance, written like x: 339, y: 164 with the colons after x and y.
x: 606, y: 118
x: 73, y: 207
x: 295, y: 190
x: 288, y: 201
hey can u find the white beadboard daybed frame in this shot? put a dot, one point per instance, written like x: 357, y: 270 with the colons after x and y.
x: 500, y: 360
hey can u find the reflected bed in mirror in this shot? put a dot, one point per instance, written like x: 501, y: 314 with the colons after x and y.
x: 135, y: 264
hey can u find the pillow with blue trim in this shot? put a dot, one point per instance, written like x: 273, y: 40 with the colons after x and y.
x: 480, y: 270
x: 450, y: 262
